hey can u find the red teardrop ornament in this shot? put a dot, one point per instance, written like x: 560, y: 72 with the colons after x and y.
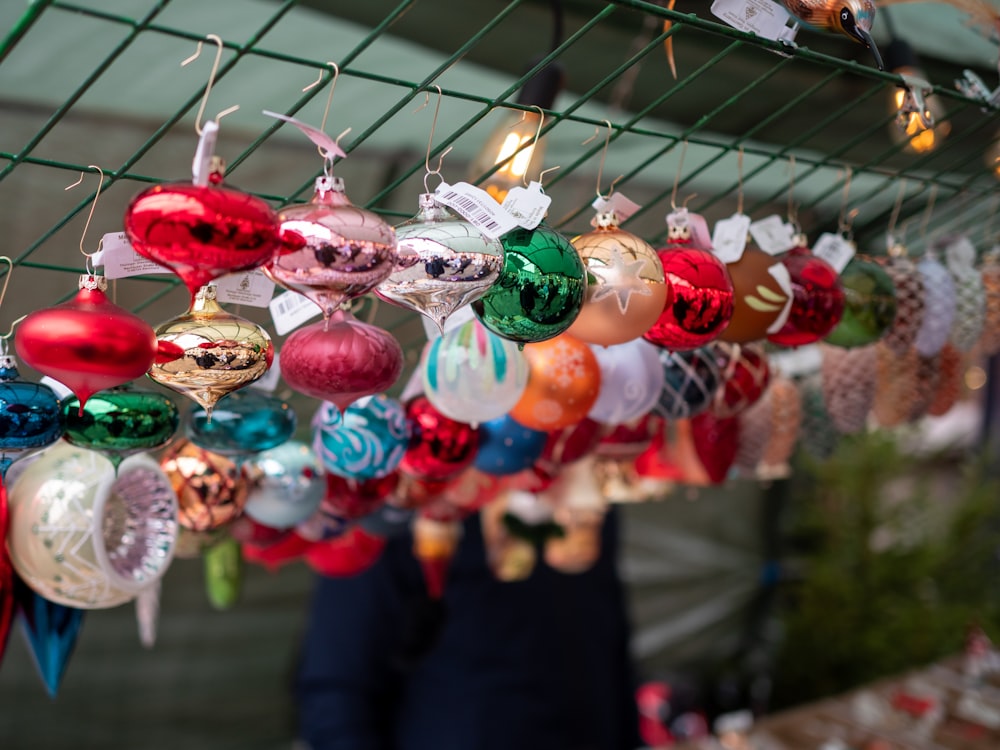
x: 87, y: 343
x: 716, y: 441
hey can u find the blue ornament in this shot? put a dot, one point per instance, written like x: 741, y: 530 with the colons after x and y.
x: 241, y: 423
x: 30, y: 415
x: 507, y: 447
x: 366, y: 442
x: 52, y: 630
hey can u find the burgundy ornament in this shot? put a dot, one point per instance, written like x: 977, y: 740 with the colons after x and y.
x: 745, y: 375
x: 569, y: 445
x: 341, y: 360
x: 625, y: 442
x: 439, y: 447
x: 817, y: 299
x: 202, y: 232
x: 352, y: 499
x: 716, y: 442
x: 87, y: 343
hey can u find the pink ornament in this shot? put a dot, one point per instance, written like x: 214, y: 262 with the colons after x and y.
x: 817, y: 299
x: 341, y: 360
x: 88, y: 343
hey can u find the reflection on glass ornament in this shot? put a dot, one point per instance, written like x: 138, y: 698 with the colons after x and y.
x: 690, y: 382
x: 443, y: 263
x: 631, y: 381
x: 87, y: 343
x: 366, y: 441
x: 120, y: 422
x: 345, y: 251
x: 817, y: 299
x: 30, y: 414
x: 745, y: 377
x: 211, y: 489
x: 84, y: 537
x: 439, y: 446
x: 286, y: 485
x: 869, y: 304
x: 472, y: 375
x: 207, y: 352
x: 540, y: 290
x: 241, y: 423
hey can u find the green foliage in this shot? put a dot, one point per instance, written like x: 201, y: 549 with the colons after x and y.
x: 895, y: 557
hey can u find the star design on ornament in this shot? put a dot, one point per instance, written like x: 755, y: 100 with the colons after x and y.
x: 620, y: 278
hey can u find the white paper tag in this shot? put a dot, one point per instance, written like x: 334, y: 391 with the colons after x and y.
x: 269, y: 381
x: 761, y: 17
x: 793, y: 363
x: 459, y: 318
x: 960, y: 255
x: 201, y: 166
x: 290, y: 310
x: 477, y: 207
x: 248, y: 288
x: 527, y: 205
x: 61, y: 390
x: 835, y: 250
x: 781, y: 275
x: 315, y: 135
x: 773, y: 235
x: 619, y: 203
x: 120, y: 259
x: 729, y: 239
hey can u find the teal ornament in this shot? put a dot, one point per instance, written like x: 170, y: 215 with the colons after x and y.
x: 52, y: 630
x: 869, y: 304
x: 365, y: 442
x: 241, y: 423
x: 30, y: 416
x: 120, y: 422
x: 540, y: 290
x: 286, y: 485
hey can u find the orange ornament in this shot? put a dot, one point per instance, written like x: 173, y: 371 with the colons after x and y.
x: 761, y: 296
x: 564, y: 381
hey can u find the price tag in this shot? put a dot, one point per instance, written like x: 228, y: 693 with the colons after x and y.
x: 729, y: 239
x: 619, y: 203
x: 527, y: 205
x: 773, y: 235
x: 477, y: 207
x: 761, y: 17
x: 960, y: 255
x: 248, y: 288
x: 120, y: 259
x: 290, y: 310
x: 61, y: 390
x: 269, y: 381
x: 315, y: 135
x: 835, y: 250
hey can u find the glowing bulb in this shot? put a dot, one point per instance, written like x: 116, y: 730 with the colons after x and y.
x: 510, y: 153
x: 909, y: 128
x: 975, y: 378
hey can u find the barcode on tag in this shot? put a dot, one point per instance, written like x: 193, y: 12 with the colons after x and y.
x: 248, y: 288
x: 477, y: 207
x: 120, y: 259
x: 835, y: 250
x: 527, y: 205
x: 290, y: 310
x: 622, y: 206
x: 269, y: 381
x: 773, y: 235
x: 729, y: 239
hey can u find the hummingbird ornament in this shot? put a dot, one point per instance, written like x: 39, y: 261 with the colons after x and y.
x: 852, y: 18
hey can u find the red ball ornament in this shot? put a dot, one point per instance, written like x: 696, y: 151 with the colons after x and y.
x: 745, y: 376
x: 439, y: 447
x: 347, y: 555
x: 341, y: 360
x: 88, y: 343
x: 352, y: 499
x: 625, y: 442
x: 202, y: 232
x: 569, y: 445
x: 817, y: 299
x: 716, y: 442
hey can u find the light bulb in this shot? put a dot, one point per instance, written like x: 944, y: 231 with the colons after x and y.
x: 910, y: 128
x: 510, y: 148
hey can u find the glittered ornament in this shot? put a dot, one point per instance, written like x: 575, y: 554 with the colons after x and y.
x: 439, y: 447
x: 949, y: 385
x: 762, y: 294
x: 716, y: 441
x: 817, y: 299
x: 907, y: 281
x: 285, y: 485
x: 367, y: 441
x: 745, y: 375
x: 939, y: 306
x: 87, y: 343
x: 631, y: 381
x: 202, y: 232
x: 120, y: 422
x: 344, y: 251
x: 443, y: 263
x: 849, y: 378
x: 817, y: 435
x: 211, y: 489
x: 754, y: 433
x: 540, y: 290
x: 207, y: 352
x: 895, y: 385
x: 870, y: 304
x: 690, y: 381
x: 507, y: 446
x: 341, y: 360
x: 970, y: 296
x: 30, y: 414
x: 626, y: 291
x: 786, y: 417
x: 563, y: 385
x: 241, y: 423
x: 989, y: 340
x: 472, y: 375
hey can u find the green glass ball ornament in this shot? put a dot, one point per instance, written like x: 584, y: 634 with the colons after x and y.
x: 540, y: 290
x: 869, y: 304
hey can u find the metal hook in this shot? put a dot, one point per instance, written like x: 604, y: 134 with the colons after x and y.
x: 534, y: 142
x: 93, y: 205
x: 677, y: 177
x: 217, y: 41
x: 541, y: 175
x: 6, y: 279
x: 430, y: 138
x: 793, y: 211
x: 329, y: 101
x: 604, y: 153
x: 436, y: 172
x: 4, y: 337
x: 842, y: 222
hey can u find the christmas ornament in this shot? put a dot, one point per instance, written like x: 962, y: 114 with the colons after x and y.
x: 241, y: 423
x: 322, y: 525
x: 443, y: 263
x: 511, y: 557
x: 949, y: 385
x: 388, y: 520
x: 506, y: 446
x: 754, y: 434
x: 285, y: 485
x: 347, y: 555
x: 472, y: 375
x: 207, y: 352
x: 247, y: 530
x: 625, y: 441
x: 816, y: 433
x: 786, y: 418
x: 925, y: 383
x: 626, y: 288
x: 7, y: 601
x: 353, y: 499
x: 272, y: 556
x: 120, y: 422
x: 340, y: 360
x: 540, y: 290
x: 578, y: 549
x: 366, y: 442
x: 414, y: 494
x: 211, y: 489
x: 30, y: 415
x: 87, y: 343
x: 564, y: 383
x: 439, y: 447
x: 939, y: 306
x: 690, y: 382
x: 344, y: 251
x: 472, y: 490
x: 716, y: 442
x: 82, y: 536
x: 989, y: 341
x: 434, y: 545
x: 970, y: 295
x: 762, y: 294
x: 895, y: 385
x: 631, y: 381
x: 817, y: 299
x: 202, y: 232
x: 569, y: 445
x: 869, y: 304
x: 849, y: 379
x: 906, y: 280
x: 52, y: 630
x: 745, y: 376
x: 223, y: 569
x: 147, y: 613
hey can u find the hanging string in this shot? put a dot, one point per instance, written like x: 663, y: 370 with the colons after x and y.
x: 534, y: 143
x: 890, y: 237
x: 90, y: 216
x: 3, y: 294
x: 846, y: 218
x: 327, y: 157
x: 793, y: 213
x: 739, y: 183
x: 677, y: 177
x: 928, y: 212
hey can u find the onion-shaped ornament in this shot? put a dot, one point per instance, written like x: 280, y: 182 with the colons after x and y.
x: 367, y: 441
x: 241, y: 423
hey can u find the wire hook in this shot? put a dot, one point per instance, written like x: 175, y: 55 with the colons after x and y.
x: 329, y: 101
x: 217, y: 41
x: 86, y: 226
x: 541, y: 175
x: 892, y: 246
x: 677, y: 177
x: 430, y: 138
x: 793, y: 210
x: 604, y: 154
x: 534, y: 142
x: 846, y: 217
